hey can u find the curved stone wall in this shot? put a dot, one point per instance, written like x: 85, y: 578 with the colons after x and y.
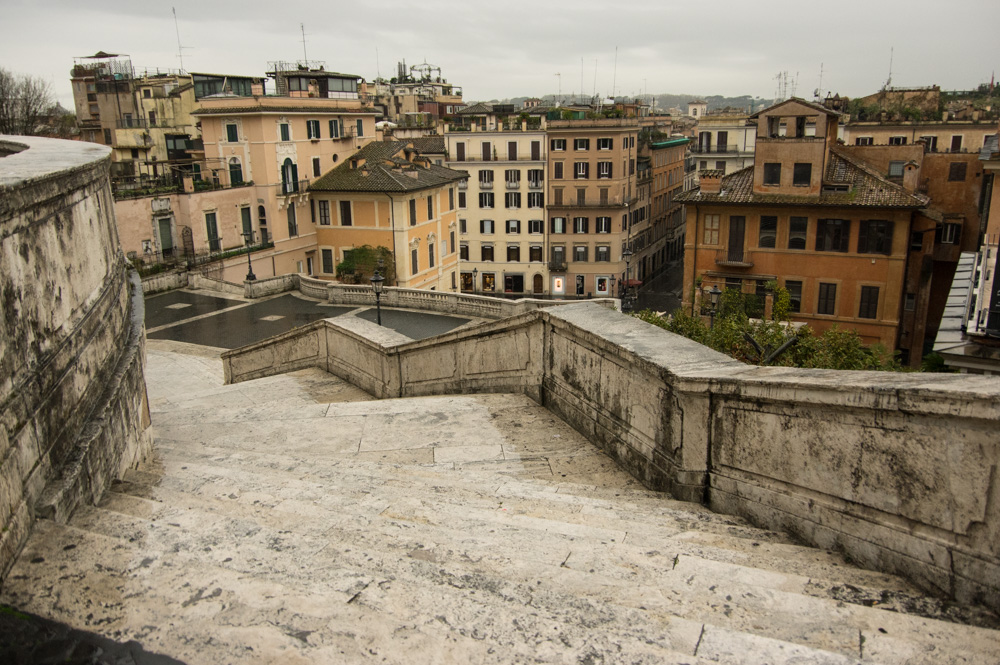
x: 72, y: 392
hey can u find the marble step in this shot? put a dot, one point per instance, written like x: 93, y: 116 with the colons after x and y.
x: 770, y: 599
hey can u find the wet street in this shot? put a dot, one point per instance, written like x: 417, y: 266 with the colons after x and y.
x: 662, y: 293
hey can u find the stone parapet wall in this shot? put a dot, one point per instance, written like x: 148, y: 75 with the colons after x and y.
x: 901, y: 471
x: 168, y: 281
x: 72, y: 394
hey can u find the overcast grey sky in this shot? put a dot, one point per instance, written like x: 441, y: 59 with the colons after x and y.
x: 505, y: 49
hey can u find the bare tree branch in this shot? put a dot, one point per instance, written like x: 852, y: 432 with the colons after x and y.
x: 24, y: 101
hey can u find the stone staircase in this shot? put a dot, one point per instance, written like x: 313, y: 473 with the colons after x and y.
x: 293, y: 520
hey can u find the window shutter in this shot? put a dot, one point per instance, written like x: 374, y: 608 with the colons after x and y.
x: 295, y: 178
x: 863, y: 237
x: 889, y: 227
x: 341, y: 123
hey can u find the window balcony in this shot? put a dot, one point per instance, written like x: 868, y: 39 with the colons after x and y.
x: 557, y: 265
x: 714, y: 149
x: 733, y: 258
x: 535, y: 184
x: 485, y: 185
x: 463, y: 184
x: 513, y: 184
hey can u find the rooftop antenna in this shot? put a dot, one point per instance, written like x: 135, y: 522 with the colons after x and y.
x: 888, y: 83
x: 378, y: 70
x: 595, y: 78
x: 305, y: 57
x: 581, y: 78
x: 819, y: 91
x: 180, y: 49
x: 614, y: 78
x: 559, y: 98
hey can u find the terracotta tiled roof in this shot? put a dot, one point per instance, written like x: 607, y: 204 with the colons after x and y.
x: 476, y: 109
x: 819, y: 108
x: 866, y: 188
x: 383, y: 166
x: 428, y: 145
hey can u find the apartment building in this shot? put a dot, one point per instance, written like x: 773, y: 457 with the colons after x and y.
x: 944, y: 136
x: 667, y: 228
x: 592, y: 196
x: 501, y: 208
x: 281, y: 144
x: 390, y: 195
x: 725, y: 141
x: 827, y: 226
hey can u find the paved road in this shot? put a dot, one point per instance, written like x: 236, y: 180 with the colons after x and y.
x: 663, y: 292
x: 212, y: 320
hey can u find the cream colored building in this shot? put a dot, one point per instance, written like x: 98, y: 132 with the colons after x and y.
x: 501, y: 208
x: 725, y: 142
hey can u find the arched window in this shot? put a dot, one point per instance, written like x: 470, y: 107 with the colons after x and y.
x: 235, y: 172
x: 289, y: 177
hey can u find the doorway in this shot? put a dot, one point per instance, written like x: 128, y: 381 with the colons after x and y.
x: 737, y: 226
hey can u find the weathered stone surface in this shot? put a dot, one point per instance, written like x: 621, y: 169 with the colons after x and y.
x: 274, y: 526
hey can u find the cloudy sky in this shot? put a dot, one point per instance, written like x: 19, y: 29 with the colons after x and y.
x: 501, y: 49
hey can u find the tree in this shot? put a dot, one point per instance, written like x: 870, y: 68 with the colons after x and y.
x: 837, y: 348
x: 24, y: 101
x: 361, y: 262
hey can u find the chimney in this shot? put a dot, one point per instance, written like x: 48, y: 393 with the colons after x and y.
x: 911, y: 176
x: 257, y: 89
x: 710, y: 181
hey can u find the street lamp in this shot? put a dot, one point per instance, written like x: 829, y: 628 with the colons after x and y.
x: 627, y: 282
x: 475, y: 283
x: 713, y: 296
x: 248, y: 237
x: 377, y: 281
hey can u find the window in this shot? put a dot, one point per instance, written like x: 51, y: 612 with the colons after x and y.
x: 486, y: 253
x: 875, y: 237
x: 327, y: 259
x: 361, y: 127
x: 293, y: 225
x: 916, y: 241
x: 512, y: 151
x: 414, y: 262
x: 451, y: 237
x: 235, y: 172
x: 460, y: 152
x: 289, y: 176
x: 463, y: 251
x: 895, y: 169
x: 956, y: 143
x: 910, y: 302
x: 772, y: 174
x: 487, y: 151
x: 605, y: 144
x: 557, y: 196
x: 558, y: 144
x: 212, y: 231
x: 930, y: 143
x: 489, y: 280
x: 558, y: 225
x: 869, y: 303
x: 794, y: 289
x: 486, y: 226
x: 451, y: 198
x: 513, y: 226
x: 335, y: 129
x: 512, y: 199
x: 430, y: 255
x: 324, y: 215
x: 557, y: 170
x: 461, y: 200
x: 536, y: 151
x: 956, y: 171
x: 580, y: 224
x: 513, y: 177
x: 312, y: 129
x: 797, y: 230
x: 513, y: 253
x: 535, y: 226
x: 827, y: 299
x: 316, y: 167
x: 107, y: 136
x: 603, y: 169
x: 802, y: 174
x: 602, y: 253
x: 485, y: 199
x: 486, y: 179
x: 711, y: 230
x: 345, y: 213
x: 463, y: 226
x: 232, y: 133
x: 768, y: 231
x: 535, y: 253
x: 950, y: 234
x: 581, y: 144
x: 720, y: 166
x: 581, y: 196
x: 581, y: 170
x: 430, y: 207
x: 897, y: 140
x: 286, y: 134
x: 413, y: 212
x: 536, y: 200
x: 832, y: 235
x: 602, y: 225
x: 247, y: 224
x: 580, y: 253
x: 863, y: 140
x: 558, y: 254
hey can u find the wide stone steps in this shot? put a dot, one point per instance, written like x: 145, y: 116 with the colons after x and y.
x: 291, y: 520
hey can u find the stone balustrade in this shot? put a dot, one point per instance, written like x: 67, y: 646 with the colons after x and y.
x: 901, y: 471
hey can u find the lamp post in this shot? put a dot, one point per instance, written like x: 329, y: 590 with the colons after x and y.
x: 713, y: 295
x: 475, y: 282
x: 248, y: 237
x: 377, y: 281
x: 626, y: 283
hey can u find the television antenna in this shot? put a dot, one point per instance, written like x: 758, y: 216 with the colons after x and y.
x: 180, y: 49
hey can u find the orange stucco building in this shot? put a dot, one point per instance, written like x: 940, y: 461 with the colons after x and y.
x: 391, y: 195
x: 830, y: 228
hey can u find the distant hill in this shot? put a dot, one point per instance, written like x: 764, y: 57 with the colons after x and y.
x: 663, y: 101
